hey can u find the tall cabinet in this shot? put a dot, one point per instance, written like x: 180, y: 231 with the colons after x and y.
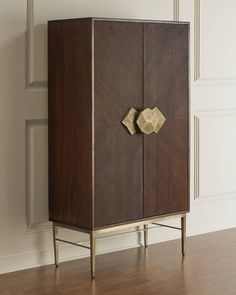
x: 118, y: 108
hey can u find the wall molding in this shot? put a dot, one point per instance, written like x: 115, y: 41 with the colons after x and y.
x: 196, y: 157
x: 31, y: 82
x: 196, y: 40
x: 29, y: 186
x: 215, y: 82
x: 37, y: 228
x: 197, y: 119
x: 176, y: 10
x: 197, y: 54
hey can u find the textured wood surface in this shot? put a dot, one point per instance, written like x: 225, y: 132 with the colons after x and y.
x: 70, y: 122
x: 208, y: 269
x: 118, y: 155
x: 166, y: 86
x: 99, y: 174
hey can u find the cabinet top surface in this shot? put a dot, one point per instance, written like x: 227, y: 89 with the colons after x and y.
x: 123, y: 20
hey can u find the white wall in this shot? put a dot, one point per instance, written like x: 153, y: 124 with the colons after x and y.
x: 25, y: 234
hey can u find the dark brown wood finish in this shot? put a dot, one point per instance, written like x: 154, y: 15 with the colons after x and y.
x: 208, y: 269
x: 70, y: 122
x: 100, y: 175
x: 118, y: 155
x: 166, y: 86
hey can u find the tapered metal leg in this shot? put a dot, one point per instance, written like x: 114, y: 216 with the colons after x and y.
x: 145, y: 235
x: 183, y: 234
x: 92, y: 254
x: 55, y: 244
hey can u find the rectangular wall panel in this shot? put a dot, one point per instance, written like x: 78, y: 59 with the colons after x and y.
x: 37, y: 171
x: 216, y: 50
x: 215, y: 161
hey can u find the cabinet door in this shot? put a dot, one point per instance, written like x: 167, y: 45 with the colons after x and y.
x: 166, y: 87
x: 118, y: 167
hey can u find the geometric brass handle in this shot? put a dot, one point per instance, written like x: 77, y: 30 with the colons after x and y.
x: 150, y: 121
x: 129, y: 121
x: 147, y: 121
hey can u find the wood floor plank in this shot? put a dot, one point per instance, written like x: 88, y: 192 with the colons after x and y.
x: 209, y: 268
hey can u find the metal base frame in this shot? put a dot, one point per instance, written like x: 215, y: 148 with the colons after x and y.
x: 96, y: 235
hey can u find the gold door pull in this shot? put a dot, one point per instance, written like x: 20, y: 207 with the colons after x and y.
x: 129, y: 121
x: 150, y: 121
x: 147, y: 121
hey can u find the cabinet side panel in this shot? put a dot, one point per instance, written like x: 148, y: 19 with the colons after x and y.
x: 166, y: 87
x: 70, y: 122
x: 118, y: 155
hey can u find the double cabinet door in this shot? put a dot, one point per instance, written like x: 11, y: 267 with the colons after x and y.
x: 140, y: 65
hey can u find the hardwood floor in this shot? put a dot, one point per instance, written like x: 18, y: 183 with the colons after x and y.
x: 209, y: 268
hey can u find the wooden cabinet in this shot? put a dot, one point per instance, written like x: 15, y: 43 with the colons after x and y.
x: 100, y: 175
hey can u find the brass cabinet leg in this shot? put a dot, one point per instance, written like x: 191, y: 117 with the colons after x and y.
x: 55, y: 244
x: 183, y: 234
x: 145, y: 235
x: 92, y: 253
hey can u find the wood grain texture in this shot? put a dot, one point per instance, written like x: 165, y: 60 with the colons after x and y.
x: 100, y: 175
x: 166, y: 184
x: 208, y: 269
x: 118, y: 155
x: 70, y: 122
